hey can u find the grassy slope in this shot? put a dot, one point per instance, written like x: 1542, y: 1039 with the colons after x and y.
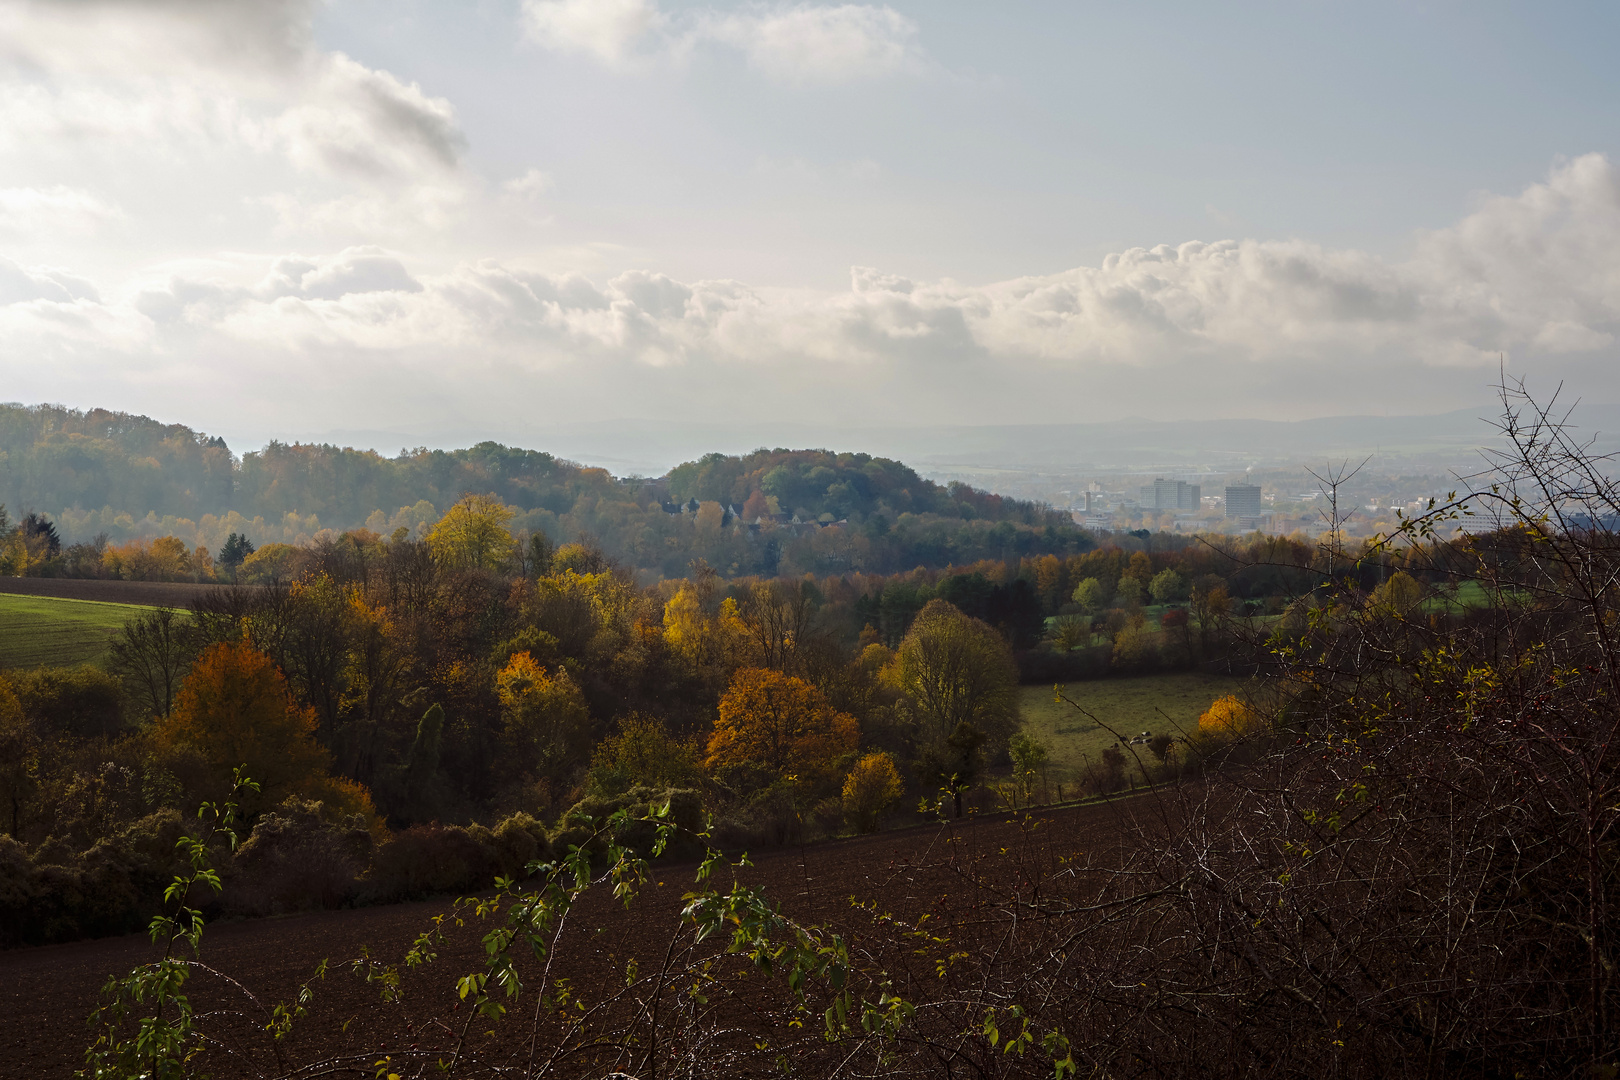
x: 1157, y: 703
x: 37, y: 630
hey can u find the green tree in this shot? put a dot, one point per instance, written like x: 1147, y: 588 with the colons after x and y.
x: 956, y: 670
x: 1029, y: 756
x: 1092, y: 595
x: 234, y: 552
x: 1167, y: 585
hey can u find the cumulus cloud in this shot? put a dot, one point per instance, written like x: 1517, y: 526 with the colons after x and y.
x: 794, y: 43
x: 1534, y: 276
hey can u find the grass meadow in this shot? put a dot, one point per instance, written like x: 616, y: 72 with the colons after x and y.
x: 38, y: 630
x: 1168, y: 703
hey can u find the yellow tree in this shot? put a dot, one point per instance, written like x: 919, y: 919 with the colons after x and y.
x: 548, y: 728
x: 871, y: 788
x: 780, y: 724
x: 1228, y: 718
x: 472, y: 535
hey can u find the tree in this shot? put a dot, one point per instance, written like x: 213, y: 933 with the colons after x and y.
x: 643, y: 752
x: 1133, y: 650
x: 422, y: 766
x: 1167, y: 585
x: 1029, y: 756
x: 472, y: 535
x: 234, y: 710
x: 955, y: 670
x: 152, y: 654
x: 19, y: 757
x: 1091, y: 595
x: 870, y: 790
x: 1228, y: 718
x: 1129, y: 592
x: 1400, y: 595
x: 547, y: 726
x: 235, y: 550
x: 538, y: 554
x: 781, y: 725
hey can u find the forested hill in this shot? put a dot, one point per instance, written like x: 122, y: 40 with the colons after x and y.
x: 124, y: 477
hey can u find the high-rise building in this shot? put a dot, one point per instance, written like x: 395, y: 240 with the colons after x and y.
x: 1171, y: 495
x: 1243, y: 500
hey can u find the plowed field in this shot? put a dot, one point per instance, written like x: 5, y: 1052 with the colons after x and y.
x: 46, y: 993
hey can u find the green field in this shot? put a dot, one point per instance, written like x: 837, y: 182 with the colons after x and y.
x: 38, y: 630
x: 1157, y: 703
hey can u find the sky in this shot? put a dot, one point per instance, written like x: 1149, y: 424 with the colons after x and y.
x: 493, y: 218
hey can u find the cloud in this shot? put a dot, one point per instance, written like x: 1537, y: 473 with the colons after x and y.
x: 1183, y: 329
x: 611, y: 31
x: 531, y: 185
x: 817, y: 44
x: 20, y: 285
x: 792, y: 43
x: 366, y: 124
x: 172, y: 78
x: 243, y: 39
x: 28, y: 213
x: 1537, y: 273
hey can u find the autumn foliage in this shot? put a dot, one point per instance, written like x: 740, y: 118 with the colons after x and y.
x: 234, y: 710
x: 1228, y: 718
x: 781, y: 724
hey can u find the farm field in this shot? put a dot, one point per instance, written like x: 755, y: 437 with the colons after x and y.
x: 38, y: 630
x: 46, y: 992
x: 1168, y: 703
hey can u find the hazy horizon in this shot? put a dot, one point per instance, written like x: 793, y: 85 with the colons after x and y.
x: 291, y: 217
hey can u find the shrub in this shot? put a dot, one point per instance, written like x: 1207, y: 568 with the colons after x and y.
x: 425, y: 860
x: 82, y: 701
x: 296, y: 861
x: 588, y: 815
x: 518, y: 841
x: 871, y: 788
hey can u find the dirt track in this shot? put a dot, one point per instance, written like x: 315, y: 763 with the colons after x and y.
x: 46, y: 992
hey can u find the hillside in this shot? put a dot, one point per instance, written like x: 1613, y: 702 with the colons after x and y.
x: 123, y: 477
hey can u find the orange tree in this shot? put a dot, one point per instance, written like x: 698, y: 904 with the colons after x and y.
x: 781, y: 725
x: 234, y: 710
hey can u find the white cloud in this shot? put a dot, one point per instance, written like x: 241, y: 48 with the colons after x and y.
x: 1534, y: 276
x: 793, y: 43
x: 29, y: 213
x: 809, y: 43
x: 531, y: 185
x: 19, y: 285
x: 612, y: 31
x: 366, y: 124
x: 167, y: 83
x: 240, y: 39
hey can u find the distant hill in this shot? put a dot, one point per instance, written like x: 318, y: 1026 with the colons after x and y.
x: 104, y: 473
x: 1090, y: 444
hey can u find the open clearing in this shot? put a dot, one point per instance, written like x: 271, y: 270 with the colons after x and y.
x: 1168, y: 703
x: 38, y: 630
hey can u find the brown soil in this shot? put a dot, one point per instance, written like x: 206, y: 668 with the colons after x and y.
x: 47, y: 992
x: 175, y: 594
